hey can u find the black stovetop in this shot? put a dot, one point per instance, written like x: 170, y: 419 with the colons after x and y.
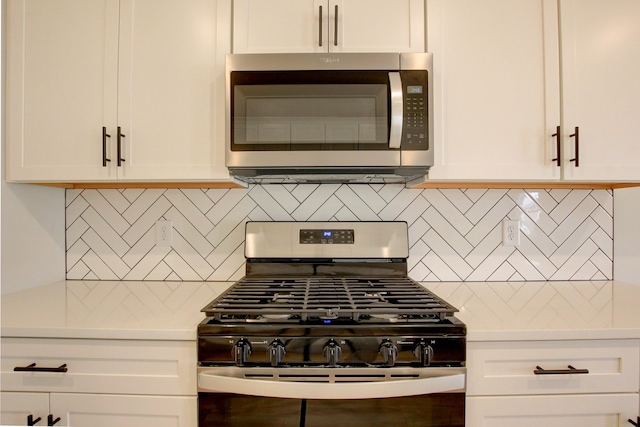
x: 395, y: 299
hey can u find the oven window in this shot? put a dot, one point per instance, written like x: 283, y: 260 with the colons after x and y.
x: 298, y: 111
x: 231, y: 410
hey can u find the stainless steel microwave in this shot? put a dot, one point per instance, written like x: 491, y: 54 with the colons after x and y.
x: 324, y: 117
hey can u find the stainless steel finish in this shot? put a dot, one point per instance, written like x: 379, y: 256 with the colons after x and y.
x: 332, y: 351
x: 375, y: 240
x: 395, y: 131
x: 242, y: 351
x: 420, y: 61
x: 389, y: 352
x: 276, y: 352
x: 318, y: 176
x: 359, y: 166
x: 313, y: 159
x: 424, y: 353
x: 312, y: 61
x: 331, y: 383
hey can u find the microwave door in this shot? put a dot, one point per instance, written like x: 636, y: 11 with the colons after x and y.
x: 395, y: 127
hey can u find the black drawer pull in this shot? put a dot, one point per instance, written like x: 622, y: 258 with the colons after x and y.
x: 634, y: 423
x: 31, y: 421
x: 51, y: 421
x: 571, y: 370
x: 34, y: 368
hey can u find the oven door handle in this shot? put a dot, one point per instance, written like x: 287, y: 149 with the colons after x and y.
x: 397, y: 110
x: 208, y: 382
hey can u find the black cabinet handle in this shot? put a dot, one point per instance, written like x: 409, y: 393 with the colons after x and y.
x: 576, y: 135
x: 34, y: 368
x: 105, y: 135
x: 634, y: 423
x: 558, y: 142
x: 31, y: 421
x: 335, y: 27
x: 120, y: 136
x: 320, y: 26
x: 51, y: 421
x: 571, y: 370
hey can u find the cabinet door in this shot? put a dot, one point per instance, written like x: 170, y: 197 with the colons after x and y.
x: 601, y: 89
x: 167, y: 91
x: 106, y: 410
x: 292, y: 26
x: 496, y: 88
x: 15, y: 408
x: 376, y: 26
x: 273, y: 26
x: 597, y: 410
x: 61, y: 88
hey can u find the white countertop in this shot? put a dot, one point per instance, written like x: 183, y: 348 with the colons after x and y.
x: 493, y: 311
x: 109, y: 310
x: 515, y: 311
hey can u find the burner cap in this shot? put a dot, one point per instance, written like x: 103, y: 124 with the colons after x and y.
x: 385, y: 316
x: 276, y: 316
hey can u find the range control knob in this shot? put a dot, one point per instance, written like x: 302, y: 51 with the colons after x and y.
x: 276, y: 352
x: 389, y: 352
x: 424, y: 353
x: 332, y: 352
x: 241, y: 351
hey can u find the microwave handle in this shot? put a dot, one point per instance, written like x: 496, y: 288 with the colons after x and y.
x: 395, y: 129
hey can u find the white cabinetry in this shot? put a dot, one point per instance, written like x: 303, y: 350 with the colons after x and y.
x: 127, y: 382
x: 507, y: 74
x: 496, y: 88
x: 600, y: 89
x: 24, y: 409
x: 553, y: 383
x: 143, y: 72
x: 328, y: 26
x: 97, y: 410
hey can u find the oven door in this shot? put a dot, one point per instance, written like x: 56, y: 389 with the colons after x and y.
x: 312, y: 397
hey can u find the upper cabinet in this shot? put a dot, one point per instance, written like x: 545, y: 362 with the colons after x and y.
x: 274, y: 26
x: 113, y: 90
x: 496, y: 77
x: 601, y: 89
x: 527, y: 91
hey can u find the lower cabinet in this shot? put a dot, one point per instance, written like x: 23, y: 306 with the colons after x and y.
x: 95, y: 383
x: 24, y: 409
x: 593, y: 410
x: 593, y: 383
x: 97, y: 410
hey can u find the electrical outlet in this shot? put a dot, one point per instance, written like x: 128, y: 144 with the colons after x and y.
x: 164, y: 233
x: 510, y: 232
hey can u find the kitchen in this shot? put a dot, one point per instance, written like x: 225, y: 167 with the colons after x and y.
x: 45, y: 211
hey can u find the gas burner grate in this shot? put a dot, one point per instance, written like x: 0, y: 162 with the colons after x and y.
x: 327, y: 297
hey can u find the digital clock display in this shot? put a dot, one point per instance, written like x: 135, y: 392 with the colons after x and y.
x: 326, y: 237
x: 414, y: 89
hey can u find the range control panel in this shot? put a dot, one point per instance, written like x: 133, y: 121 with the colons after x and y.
x: 327, y: 236
x: 415, y: 127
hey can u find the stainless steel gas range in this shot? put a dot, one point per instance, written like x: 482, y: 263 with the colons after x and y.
x: 326, y: 318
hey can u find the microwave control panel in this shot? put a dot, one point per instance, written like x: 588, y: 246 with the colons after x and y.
x: 415, y: 126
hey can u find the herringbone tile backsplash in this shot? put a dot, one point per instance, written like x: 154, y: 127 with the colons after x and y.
x: 455, y: 234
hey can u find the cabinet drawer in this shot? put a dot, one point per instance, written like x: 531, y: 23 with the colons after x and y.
x: 100, y: 366
x: 593, y: 410
x: 512, y: 368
